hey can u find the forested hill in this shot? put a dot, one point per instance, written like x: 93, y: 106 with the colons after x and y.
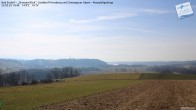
x: 43, y: 63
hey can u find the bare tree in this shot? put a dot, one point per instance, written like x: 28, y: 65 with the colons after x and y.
x: 55, y: 72
x: 48, y: 76
x: 1, y: 78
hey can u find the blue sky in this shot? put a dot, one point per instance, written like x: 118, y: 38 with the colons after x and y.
x: 128, y: 30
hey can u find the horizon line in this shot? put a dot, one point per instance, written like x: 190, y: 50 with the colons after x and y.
x: 94, y: 59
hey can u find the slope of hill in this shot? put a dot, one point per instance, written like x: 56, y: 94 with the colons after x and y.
x: 27, y: 97
x: 43, y: 63
x: 149, y: 95
x: 63, y: 62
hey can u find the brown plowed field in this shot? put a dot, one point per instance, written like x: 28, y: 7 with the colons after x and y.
x: 149, y: 95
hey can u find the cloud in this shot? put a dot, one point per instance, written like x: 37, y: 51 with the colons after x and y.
x: 104, y: 18
x: 143, y: 30
x: 153, y: 11
x: 121, y: 15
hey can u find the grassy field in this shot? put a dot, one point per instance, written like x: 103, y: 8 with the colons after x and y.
x: 117, y: 76
x: 158, y: 76
x: 27, y: 97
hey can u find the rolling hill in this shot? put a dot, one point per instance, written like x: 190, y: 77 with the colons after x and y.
x: 9, y: 64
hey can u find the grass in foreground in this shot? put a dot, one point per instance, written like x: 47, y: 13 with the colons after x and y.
x: 27, y: 97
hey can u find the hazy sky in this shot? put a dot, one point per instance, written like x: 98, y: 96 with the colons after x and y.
x: 128, y: 30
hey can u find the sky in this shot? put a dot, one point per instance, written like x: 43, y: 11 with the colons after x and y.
x: 127, y: 30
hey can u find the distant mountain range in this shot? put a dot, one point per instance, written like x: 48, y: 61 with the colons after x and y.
x: 10, y: 64
x: 156, y: 63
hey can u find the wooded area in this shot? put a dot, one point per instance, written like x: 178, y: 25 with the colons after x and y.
x: 28, y: 77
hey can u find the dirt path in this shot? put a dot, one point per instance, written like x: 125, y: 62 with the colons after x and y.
x: 150, y: 95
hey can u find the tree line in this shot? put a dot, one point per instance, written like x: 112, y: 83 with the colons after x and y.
x: 172, y: 69
x: 27, y: 77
